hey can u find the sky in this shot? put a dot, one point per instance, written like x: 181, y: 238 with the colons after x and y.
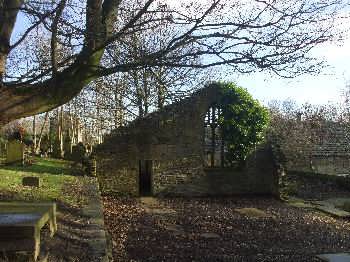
x: 323, y: 88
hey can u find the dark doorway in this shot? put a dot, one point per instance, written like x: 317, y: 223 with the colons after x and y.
x: 145, y: 175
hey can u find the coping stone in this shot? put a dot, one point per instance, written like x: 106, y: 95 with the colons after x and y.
x: 334, y: 211
x: 339, y: 257
x: 94, y: 212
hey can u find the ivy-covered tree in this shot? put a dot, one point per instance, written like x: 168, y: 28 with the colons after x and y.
x: 243, y: 121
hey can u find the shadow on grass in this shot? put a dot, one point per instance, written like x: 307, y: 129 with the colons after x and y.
x: 48, y: 166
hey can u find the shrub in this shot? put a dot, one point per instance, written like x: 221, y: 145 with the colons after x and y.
x: 14, y: 131
x: 243, y: 121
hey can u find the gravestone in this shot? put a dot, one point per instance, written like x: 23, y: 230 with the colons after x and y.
x: 15, y: 152
x: 31, y: 181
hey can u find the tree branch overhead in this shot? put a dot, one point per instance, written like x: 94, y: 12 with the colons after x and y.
x: 80, y: 37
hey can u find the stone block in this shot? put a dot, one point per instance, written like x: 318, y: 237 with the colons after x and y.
x: 20, y: 225
x: 334, y: 211
x: 253, y: 212
x: 338, y: 257
x: 31, y: 181
x: 209, y: 235
x: 15, y: 152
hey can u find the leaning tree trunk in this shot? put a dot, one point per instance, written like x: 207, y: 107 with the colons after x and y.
x: 34, y: 133
x: 60, y: 130
x: 37, y: 148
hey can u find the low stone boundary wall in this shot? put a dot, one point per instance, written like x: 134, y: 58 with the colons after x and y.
x: 94, y: 212
x: 341, y: 180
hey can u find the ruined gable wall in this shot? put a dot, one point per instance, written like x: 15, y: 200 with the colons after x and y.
x: 172, y: 138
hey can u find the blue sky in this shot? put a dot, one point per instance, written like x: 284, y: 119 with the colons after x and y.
x: 320, y: 89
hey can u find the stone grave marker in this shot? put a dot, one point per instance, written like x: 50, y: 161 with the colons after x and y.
x: 31, y: 181
x: 15, y: 152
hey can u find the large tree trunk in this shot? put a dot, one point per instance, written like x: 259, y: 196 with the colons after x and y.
x: 22, y: 100
x: 8, y: 15
x: 18, y: 101
x: 146, y: 90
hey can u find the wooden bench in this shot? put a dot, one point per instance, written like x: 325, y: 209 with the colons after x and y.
x: 21, y: 223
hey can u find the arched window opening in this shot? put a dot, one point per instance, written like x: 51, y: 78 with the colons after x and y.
x: 213, y: 140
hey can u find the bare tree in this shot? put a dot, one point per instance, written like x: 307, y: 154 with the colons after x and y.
x: 38, y: 144
x: 298, y: 130
x: 269, y: 35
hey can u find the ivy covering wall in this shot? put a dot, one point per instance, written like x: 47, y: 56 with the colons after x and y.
x: 243, y: 121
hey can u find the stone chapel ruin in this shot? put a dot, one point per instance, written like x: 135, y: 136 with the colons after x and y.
x: 178, y: 151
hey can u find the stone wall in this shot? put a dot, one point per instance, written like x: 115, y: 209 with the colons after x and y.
x: 173, y: 139
x: 331, y: 164
x: 329, y: 155
x: 260, y: 175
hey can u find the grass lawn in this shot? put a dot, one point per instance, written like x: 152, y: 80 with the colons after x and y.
x: 57, y: 182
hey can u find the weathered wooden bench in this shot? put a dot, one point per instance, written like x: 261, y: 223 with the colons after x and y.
x: 21, y: 223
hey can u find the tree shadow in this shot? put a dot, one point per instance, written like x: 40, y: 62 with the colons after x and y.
x: 47, y: 166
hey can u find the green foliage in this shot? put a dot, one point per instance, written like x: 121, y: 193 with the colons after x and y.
x: 27, y: 139
x: 243, y: 121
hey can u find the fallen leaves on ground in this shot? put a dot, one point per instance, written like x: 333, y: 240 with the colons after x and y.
x: 209, y: 229
x: 121, y: 215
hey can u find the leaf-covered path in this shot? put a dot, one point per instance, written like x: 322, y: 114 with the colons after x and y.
x: 216, y: 229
